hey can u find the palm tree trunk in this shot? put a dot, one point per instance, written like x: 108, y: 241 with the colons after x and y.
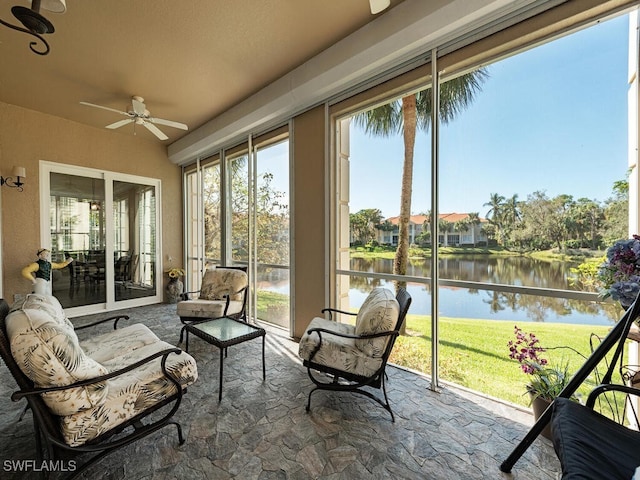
x: 409, y: 116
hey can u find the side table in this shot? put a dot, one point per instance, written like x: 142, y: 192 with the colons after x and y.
x: 224, y: 332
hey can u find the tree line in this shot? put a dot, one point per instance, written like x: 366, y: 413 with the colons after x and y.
x: 541, y: 222
x: 538, y: 223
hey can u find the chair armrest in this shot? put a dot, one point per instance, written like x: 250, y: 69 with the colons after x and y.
x: 391, y: 333
x: 227, y: 295
x: 609, y: 387
x: 90, y: 381
x: 185, y: 295
x: 332, y: 310
x: 115, y: 319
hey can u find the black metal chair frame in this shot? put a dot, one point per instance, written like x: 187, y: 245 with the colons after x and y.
x: 241, y: 315
x: 50, y: 444
x: 580, y: 433
x: 348, y: 382
x: 615, y: 340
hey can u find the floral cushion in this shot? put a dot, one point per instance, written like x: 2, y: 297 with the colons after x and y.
x: 220, y: 282
x: 46, y: 348
x: 378, y: 313
x: 200, y: 308
x: 337, y: 352
x: 130, y: 393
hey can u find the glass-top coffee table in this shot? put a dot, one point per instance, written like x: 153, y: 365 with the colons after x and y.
x: 224, y: 332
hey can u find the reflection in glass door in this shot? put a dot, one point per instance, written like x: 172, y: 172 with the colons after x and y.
x: 134, y: 247
x: 118, y: 266
x: 77, y: 229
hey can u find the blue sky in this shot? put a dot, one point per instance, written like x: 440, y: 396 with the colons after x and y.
x: 553, y: 118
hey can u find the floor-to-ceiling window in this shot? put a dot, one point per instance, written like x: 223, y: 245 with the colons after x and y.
x: 238, y: 214
x: 106, y: 222
x: 531, y: 156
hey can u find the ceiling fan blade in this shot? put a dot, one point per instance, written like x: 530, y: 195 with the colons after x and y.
x: 105, y: 108
x: 120, y: 123
x: 138, y: 106
x: 155, y: 130
x: 168, y: 123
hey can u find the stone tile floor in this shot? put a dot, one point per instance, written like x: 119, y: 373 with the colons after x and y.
x: 260, y: 430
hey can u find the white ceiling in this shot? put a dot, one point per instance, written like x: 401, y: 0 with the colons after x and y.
x: 190, y: 60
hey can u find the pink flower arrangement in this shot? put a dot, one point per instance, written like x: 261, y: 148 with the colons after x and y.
x: 546, y: 381
x: 526, y: 349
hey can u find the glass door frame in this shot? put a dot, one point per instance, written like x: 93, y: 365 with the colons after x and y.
x: 109, y: 177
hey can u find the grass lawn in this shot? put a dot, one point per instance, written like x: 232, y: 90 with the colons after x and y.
x: 474, y: 353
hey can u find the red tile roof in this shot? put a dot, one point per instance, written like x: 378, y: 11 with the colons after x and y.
x: 449, y: 217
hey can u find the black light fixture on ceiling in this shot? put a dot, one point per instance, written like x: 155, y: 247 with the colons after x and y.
x: 34, y: 23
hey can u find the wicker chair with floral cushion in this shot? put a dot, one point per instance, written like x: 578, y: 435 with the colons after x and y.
x: 355, y: 356
x: 82, y: 394
x: 223, y: 293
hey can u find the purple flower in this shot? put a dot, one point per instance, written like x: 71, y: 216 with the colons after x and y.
x: 620, y: 273
x: 526, y: 349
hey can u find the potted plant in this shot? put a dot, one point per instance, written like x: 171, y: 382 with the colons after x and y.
x: 545, y: 381
x: 619, y: 275
x: 174, y: 287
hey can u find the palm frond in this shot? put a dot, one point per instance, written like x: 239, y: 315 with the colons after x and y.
x: 455, y: 96
x: 382, y: 121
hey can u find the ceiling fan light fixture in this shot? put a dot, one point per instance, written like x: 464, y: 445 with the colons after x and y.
x: 378, y: 6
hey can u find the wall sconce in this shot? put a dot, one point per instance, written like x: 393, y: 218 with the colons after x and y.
x: 18, y: 173
x: 34, y: 23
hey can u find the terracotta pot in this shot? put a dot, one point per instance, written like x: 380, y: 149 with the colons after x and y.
x: 539, y: 405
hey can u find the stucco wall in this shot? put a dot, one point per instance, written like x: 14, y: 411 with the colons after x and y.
x: 309, y: 218
x: 26, y: 137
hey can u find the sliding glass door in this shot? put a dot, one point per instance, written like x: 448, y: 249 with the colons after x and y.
x: 134, y: 215
x: 106, y: 222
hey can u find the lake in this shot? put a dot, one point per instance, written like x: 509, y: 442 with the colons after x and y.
x: 487, y: 304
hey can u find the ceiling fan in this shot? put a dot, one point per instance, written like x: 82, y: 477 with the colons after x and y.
x: 139, y: 115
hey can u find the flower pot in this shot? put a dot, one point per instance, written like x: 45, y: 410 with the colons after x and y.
x: 174, y: 289
x: 539, y: 405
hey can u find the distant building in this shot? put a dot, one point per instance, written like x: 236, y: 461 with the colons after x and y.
x: 459, y: 234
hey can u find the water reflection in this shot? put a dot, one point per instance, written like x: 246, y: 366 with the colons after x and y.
x: 472, y: 303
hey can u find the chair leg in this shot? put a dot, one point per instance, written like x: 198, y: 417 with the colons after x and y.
x: 309, y: 399
x: 335, y: 386
x: 182, y: 334
x: 179, y: 428
x: 387, y: 405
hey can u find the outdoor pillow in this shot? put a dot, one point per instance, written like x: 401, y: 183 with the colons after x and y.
x: 379, y: 313
x: 45, y: 347
x: 219, y: 282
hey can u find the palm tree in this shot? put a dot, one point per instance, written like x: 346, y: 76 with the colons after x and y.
x: 495, y: 213
x: 406, y: 116
x: 473, y: 220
